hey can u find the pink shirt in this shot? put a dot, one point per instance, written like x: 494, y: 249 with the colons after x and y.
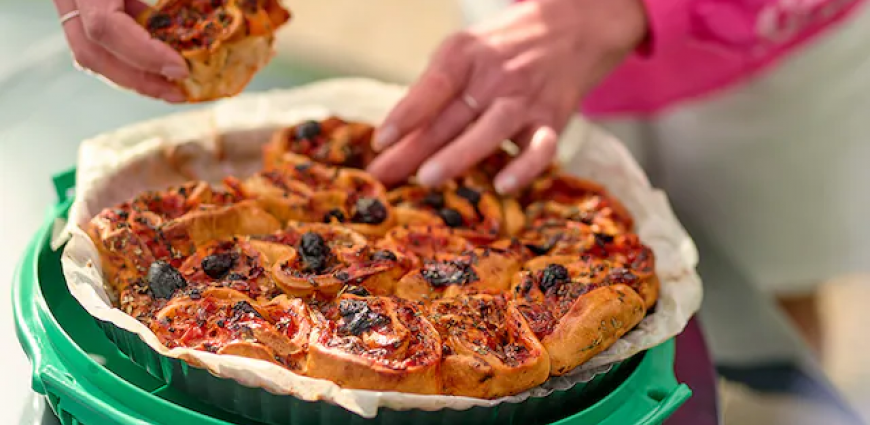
x: 699, y: 46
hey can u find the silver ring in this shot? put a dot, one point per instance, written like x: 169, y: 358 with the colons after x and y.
x: 471, y: 102
x: 69, y: 15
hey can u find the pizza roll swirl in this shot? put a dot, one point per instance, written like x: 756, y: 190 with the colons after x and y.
x: 560, y: 297
x: 299, y: 189
x: 472, y: 213
x: 488, y: 350
x: 417, y: 244
x: 224, y: 321
x: 482, y: 270
x: 320, y: 259
x: 583, y: 200
x: 235, y: 263
x: 375, y: 343
x: 332, y: 141
x: 225, y: 42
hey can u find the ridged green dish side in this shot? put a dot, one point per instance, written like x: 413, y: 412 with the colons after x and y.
x: 262, y: 406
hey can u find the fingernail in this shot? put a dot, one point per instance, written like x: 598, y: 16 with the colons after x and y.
x: 384, y: 137
x: 173, y: 97
x: 174, y: 72
x: 429, y: 174
x: 505, y: 185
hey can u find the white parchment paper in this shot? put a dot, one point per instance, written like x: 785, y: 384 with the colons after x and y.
x: 226, y: 138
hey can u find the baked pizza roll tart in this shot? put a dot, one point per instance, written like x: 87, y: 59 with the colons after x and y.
x: 375, y: 343
x: 224, y: 321
x: 332, y: 141
x: 479, y: 271
x: 225, y: 42
x: 488, y: 349
x: 574, y: 311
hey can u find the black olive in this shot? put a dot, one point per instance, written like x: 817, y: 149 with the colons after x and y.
x: 434, y: 200
x: 384, y: 255
x: 622, y: 275
x: 305, y: 166
x: 308, y: 130
x: 451, y: 217
x: 314, y: 251
x: 369, y: 211
x: 242, y: 308
x: 342, y: 275
x: 159, y: 21
x: 218, y: 265
x: 602, y: 239
x: 449, y: 273
x: 164, y: 280
x: 553, y: 275
x: 538, y: 249
x: 348, y: 307
x: 358, y: 291
x: 334, y: 213
x: 469, y: 194
x: 195, y: 294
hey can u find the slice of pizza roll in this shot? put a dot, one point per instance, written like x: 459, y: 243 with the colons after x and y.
x: 482, y: 270
x: 332, y: 141
x: 586, y: 199
x: 292, y: 318
x: 471, y: 213
x: 573, y: 310
x: 375, y: 343
x: 488, y: 349
x: 320, y: 259
x: 224, y: 321
x: 300, y: 189
x: 590, y: 212
x: 418, y: 244
x: 235, y: 263
x: 167, y: 225
x: 633, y: 264
x: 225, y: 42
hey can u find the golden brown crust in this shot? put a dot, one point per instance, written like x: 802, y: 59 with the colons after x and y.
x: 224, y: 42
x: 375, y: 343
x: 574, y: 308
x: 489, y: 349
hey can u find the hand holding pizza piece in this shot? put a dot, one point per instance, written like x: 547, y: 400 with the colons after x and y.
x: 224, y: 42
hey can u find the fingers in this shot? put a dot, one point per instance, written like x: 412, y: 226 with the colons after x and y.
x: 403, y: 159
x: 537, y: 155
x: 501, y: 121
x: 439, y: 85
x: 106, y: 23
x: 99, y: 60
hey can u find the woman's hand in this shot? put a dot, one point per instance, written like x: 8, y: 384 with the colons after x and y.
x: 105, y: 38
x: 517, y: 77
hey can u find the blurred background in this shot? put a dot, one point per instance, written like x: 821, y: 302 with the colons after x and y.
x: 766, y: 374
